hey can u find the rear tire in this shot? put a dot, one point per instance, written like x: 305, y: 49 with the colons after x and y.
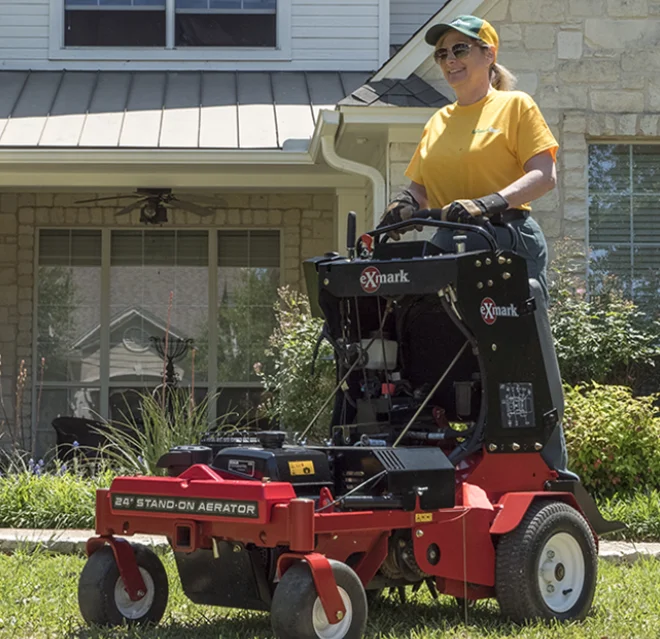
x: 547, y: 567
x: 103, y: 600
x: 297, y: 613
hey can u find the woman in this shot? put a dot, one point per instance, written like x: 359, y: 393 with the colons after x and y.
x: 488, y: 154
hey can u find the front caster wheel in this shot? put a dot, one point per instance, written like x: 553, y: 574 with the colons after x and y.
x: 103, y: 600
x: 546, y: 568
x: 297, y: 612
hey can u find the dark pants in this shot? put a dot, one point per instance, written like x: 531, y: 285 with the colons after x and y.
x: 530, y: 244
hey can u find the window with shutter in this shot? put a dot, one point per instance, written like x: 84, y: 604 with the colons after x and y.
x: 624, y: 215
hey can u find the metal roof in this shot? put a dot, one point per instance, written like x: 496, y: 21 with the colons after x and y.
x: 144, y: 109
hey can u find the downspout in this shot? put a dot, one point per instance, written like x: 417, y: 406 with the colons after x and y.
x: 330, y: 126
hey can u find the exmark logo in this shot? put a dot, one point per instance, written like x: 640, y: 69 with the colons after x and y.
x: 371, y: 279
x: 491, y: 311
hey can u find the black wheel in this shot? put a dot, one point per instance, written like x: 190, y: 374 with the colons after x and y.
x: 547, y: 567
x: 103, y: 600
x: 297, y: 613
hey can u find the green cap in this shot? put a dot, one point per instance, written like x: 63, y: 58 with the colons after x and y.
x: 470, y: 26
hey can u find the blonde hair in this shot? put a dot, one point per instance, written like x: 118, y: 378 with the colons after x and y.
x: 501, y: 78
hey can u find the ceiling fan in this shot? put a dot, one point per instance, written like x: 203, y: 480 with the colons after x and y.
x: 153, y: 204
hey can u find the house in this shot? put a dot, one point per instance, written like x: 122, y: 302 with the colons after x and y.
x: 268, y: 120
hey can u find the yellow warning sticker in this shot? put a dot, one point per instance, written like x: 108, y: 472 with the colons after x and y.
x: 301, y: 467
x: 421, y: 518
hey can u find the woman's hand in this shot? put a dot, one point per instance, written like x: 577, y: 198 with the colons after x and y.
x: 466, y: 211
x: 402, y: 208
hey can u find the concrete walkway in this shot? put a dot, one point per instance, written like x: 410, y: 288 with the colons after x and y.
x: 73, y: 541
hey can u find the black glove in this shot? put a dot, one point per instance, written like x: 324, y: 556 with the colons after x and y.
x: 469, y: 211
x: 401, y: 208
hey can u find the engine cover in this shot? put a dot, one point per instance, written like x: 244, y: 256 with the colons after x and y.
x: 308, y: 470
x: 423, y: 472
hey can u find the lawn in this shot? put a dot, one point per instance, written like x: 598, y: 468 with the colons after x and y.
x: 38, y: 599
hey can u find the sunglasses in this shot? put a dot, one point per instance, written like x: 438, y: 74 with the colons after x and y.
x: 460, y: 50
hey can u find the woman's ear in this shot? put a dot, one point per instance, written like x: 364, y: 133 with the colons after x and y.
x: 490, y: 54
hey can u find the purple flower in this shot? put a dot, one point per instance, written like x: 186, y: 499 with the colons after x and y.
x: 75, y: 444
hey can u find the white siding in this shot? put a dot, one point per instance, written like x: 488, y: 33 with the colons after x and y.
x: 407, y: 16
x: 24, y: 30
x: 338, y: 35
x: 337, y: 30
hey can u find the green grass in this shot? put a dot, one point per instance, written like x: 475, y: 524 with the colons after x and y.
x: 39, y: 600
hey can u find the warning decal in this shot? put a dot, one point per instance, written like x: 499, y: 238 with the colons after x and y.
x: 301, y: 468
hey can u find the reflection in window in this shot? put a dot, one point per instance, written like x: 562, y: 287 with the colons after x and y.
x: 624, y: 216
x: 145, y: 268
x: 69, y: 294
x: 248, y: 277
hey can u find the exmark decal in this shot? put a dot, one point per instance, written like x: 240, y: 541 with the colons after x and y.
x: 188, y: 505
x: 491, y: 311
x: 371, y: 278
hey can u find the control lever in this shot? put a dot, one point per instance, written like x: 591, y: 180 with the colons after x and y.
x: 351, y: 226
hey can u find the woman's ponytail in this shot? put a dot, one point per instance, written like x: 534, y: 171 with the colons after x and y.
x: 501, y: 78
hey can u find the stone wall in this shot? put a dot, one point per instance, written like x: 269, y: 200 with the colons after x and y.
x: 306, y: 221
x: 593, y: 66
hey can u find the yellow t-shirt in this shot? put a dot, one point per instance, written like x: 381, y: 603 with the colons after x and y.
x: 470, y: 151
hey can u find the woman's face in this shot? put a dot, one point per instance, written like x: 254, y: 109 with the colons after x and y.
x: 471, y: 70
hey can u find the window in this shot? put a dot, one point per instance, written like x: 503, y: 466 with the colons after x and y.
x: 624, y: 215
x: 103, y: 295
x: 195, y: 23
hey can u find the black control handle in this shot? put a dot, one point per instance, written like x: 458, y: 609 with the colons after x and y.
x: 351, y: 234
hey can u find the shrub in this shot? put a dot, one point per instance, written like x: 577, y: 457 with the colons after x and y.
x: 602, y: 337
x: 293, y: 393
x: 613, y: 438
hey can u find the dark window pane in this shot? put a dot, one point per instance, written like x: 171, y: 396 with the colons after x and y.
x: 646, y: 168
x: 646, y: 219
x: 226, y: 30
x: 129, y: 28
x: 233, y: 248
x: 646, y: 276
x: 609, y: 218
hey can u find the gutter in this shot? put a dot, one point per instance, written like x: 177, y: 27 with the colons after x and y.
x: 328, y: 125
x: 156, y: 156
